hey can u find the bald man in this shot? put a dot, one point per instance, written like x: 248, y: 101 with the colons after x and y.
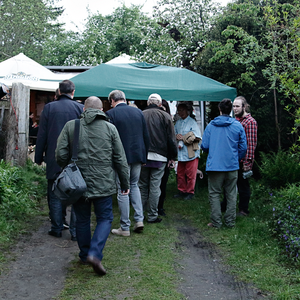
x: 100, y: 154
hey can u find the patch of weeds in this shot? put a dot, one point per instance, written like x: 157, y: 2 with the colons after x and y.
x: 286, y: 222
x: 21, y: 191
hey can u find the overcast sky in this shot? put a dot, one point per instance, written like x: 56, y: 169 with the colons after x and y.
x: 76, y: 11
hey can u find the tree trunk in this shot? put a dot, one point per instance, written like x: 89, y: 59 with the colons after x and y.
x: 276, y: 119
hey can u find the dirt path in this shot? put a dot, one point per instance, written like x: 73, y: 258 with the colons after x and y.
x: 39, y: 268
x: 203, y: 274
x: 41, y: 263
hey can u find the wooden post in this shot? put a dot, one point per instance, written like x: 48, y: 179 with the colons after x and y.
x: 17, y: 140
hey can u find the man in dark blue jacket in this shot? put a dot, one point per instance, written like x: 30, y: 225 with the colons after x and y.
x: 53, y: 118
x: 225, y: 141
x: 133, y: 132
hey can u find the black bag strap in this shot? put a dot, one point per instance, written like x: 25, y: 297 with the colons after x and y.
x: 75, y: 140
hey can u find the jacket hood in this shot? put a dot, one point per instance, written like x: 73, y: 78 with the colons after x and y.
x: 222, y: 121
x: 91, y: 114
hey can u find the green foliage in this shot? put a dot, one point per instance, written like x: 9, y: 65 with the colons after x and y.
x: 279, y: 169
x: 25, y: 25
x: 103, y: 38
x: 286, y: 221
x: 20, y: 192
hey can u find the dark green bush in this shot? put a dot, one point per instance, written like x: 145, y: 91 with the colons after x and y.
x: 279, y: 169
x: 286, y: 221
x: 19, y: 188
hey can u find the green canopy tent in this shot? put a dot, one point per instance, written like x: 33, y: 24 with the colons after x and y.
x: 139, y: 80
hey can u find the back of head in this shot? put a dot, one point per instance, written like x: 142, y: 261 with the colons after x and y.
x: 244, y: 103
x: 225, y: 106
x: 93, y: 102
x: 66, y: 87
x: 154, y: 99
x: 165, y: 104
x: 116, y: 96
x: 56, y: 94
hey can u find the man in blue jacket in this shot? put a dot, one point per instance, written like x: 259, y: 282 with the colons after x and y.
x: 53, y: 118
x: 133, y: 132
x: 225, y: 141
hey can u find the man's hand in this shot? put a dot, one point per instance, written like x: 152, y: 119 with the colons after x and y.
x: 171, y: 164
x: 246, y: 168
x: 125, y: 192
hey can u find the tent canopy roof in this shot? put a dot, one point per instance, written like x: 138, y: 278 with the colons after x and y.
x: 21, y: 68
x: 139, y: 80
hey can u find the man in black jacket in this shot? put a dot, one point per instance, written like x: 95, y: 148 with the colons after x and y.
x: 53, y: 118
x: 133, y: 132
x: 162, y: 151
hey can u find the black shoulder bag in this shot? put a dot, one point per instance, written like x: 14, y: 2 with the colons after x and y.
x: 69, y: 186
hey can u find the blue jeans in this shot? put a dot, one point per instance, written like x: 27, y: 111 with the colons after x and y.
x: 149, y: 184
x: 56, y: 212
x: 103, y: 210
x: 134, y: 196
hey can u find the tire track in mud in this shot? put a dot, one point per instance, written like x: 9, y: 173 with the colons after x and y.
x: 203, y: 274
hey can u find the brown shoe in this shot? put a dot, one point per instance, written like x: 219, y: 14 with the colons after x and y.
x: 96, y: 264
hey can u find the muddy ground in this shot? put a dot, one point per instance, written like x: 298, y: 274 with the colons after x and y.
x: 30, y: 276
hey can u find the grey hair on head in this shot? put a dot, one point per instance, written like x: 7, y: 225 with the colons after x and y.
x: 154, y: 99
x: 116, y: 95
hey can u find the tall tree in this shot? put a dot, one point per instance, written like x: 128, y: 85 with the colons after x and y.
x: 25, y: 25
x: 248, y: 48
x: 103, y: 38
x: 182, y: 31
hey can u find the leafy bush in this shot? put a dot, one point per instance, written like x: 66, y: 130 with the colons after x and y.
x: 286, y: 221
x: 279, y: 169
x: 20, y: 192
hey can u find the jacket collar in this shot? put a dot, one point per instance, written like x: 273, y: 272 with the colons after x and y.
x: 154, y: 106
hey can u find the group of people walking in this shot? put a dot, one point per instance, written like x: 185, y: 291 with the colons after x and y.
x: 129, y: 151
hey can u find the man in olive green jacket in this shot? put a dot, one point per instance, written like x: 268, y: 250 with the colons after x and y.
x: 100, y: 154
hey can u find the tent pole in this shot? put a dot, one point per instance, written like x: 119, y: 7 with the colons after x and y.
x: 202, y: 112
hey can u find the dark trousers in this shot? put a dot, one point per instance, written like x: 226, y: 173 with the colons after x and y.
x: 163, y: 188
x: 244, y: 192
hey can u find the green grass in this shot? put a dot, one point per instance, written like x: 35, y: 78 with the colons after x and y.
x: 144, y: 265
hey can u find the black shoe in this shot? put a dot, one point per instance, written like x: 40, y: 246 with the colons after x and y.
x: 157, y: 220
x: 161, y: 212
x: 83, y: 262
x: 179, y: 195
x: 96, y: 264
x: 73, y: 238
x: 54, y: 233
x: 189, y: 197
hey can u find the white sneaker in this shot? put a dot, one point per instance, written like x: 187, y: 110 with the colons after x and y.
x: 119, y: 231
x: 138, y: 227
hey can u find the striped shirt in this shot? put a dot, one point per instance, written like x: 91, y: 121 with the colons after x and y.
x: 250, y: 127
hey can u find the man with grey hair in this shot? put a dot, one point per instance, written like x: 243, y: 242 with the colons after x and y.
x: 100, y: 154
x: 133, y: 132
x: 162, y: 151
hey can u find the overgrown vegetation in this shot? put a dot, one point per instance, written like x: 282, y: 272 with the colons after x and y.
x: 21, y: 192
x: 286, y: 221
x: 279, y: 169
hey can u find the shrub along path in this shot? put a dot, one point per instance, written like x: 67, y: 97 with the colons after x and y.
x: 41, y: 264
